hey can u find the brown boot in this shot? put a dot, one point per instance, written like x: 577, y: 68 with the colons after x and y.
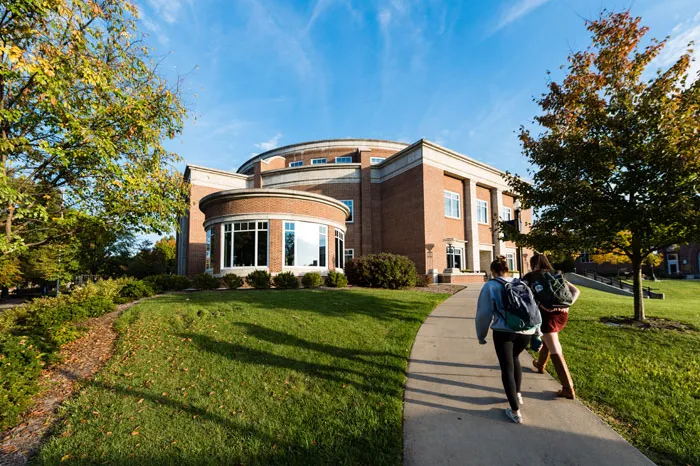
x: 567, y: 390
x: 542, y: 360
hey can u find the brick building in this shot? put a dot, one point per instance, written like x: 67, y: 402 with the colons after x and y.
x: 312, y: 206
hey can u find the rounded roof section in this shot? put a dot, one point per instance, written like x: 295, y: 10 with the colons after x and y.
x: 231, y: 194
x: 324, y: 144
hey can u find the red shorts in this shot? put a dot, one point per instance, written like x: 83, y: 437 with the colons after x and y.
x: 553, y: 322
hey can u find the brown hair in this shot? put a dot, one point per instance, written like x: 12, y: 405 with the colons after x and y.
x: 540, y: 262
x: 499, y: 266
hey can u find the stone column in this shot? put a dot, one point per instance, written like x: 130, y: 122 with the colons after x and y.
x: 471, y: 225
x: 496, y: 209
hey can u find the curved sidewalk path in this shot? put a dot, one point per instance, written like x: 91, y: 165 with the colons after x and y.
x: 454, y: 403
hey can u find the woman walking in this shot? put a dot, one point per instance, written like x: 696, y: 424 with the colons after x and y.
x: 553, y: 321
x: 508, y: 343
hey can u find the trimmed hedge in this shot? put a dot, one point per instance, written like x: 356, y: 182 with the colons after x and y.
x: 232, y: 281
x: 165, y: 282
x: 312, y: 280
x: 19, y: 376
x: 136, y: 290
x: 259, y: 279
x: 383, y: 270
x: 206, y: 281
x: 286, y: 280
x: 336, y: 280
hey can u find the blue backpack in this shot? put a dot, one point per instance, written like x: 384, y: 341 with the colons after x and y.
x: 520, y: 311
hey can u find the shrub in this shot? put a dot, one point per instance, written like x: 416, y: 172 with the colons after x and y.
x: 286, y: 280
x: 165, y: 282
x: 206, y: 281
x: 424, y: 280
x: 136, y: 289
x: 19, y: 376
x: 336, y: 280
x: 358, y: 271
x: 382, y: 271
x: 232, y: 281
x: 312, y: 280
x: 259, y: 279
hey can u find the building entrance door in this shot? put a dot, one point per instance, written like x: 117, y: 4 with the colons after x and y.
x: 672, y: 262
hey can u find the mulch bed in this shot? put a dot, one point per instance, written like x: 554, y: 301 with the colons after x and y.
x: 80, y: 360
x: 649, y: 323
x: 440, y: 288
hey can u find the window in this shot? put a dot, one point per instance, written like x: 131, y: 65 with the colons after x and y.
x: 298, y: 163
x: 343, y: 160
x: 318, y: 161
x: 454, y: 258
x: 585, y: 258
x: 339, y: 246
x: 510, y: 257
x: 349, y: 254
x: 451, y: 204
x: 376, y: 160
x: 245, y: 244
x: 305, y: 244
x: 207, y: 257
x: 482, y: 211
x: 506, y: 213
x: 351, y: 206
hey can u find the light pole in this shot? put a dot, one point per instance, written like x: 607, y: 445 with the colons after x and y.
x: 518, y: 252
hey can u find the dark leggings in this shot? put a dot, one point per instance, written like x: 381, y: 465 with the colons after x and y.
x: 509, y: 345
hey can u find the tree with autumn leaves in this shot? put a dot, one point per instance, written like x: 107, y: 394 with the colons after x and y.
x: 83, y: 115
x: 616, y: 151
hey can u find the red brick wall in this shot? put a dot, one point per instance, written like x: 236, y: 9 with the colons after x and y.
x: 403, y: 223
x: 275, y: 205
x: 454, y: 228
x: 196, y: 250
x: 434, y: 215
x: 276, y: 245
x: 485, y: 235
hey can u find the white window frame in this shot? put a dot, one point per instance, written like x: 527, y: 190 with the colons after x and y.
x: 457, y: 252
x: 351, y: 206
x: 319, y: 161
x: 481, y: 204
x: 585, y: 257
x: 376, y: 160
x: 296, y: 163
x: 256, y: 243
x: 505, y: 217
x: 451, y: 196
x: 339, y: 259
x: 323, y: 231
x: 349, y: 253
x: 510, y: 258
x: 208, y: 263
x: 343, y: 159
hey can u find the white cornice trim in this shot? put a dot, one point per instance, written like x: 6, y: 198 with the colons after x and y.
x: 216, y: 171
x: 232, y: 194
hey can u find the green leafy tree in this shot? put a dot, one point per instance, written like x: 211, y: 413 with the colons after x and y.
x: 48, y: 263
x: 617, y: 150
x: 83, y: 113
x: 166, y: 249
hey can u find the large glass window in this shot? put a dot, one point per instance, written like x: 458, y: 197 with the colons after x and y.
x: 245, y: 244
x: 376, y: 160
x: 298, y: 163
x: 318, y: 161
x: 343, y: 160
x: 351, y: 206
x: 510, y: 257
x: 506, y: 214
x: 451, y: 204
x: 339, y: 246
x: 305, y: 244
x: 482, y: 209
x: 207, y: 256
x: 454, y: 258
x: 349, y: 254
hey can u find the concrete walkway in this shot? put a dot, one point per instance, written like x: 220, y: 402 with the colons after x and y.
x: 454, y: 403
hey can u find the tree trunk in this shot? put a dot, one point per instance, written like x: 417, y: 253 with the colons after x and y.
x: 638, y: 295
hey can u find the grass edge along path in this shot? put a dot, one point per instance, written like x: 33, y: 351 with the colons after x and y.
x: 644, y: 382
x: 302, y: 377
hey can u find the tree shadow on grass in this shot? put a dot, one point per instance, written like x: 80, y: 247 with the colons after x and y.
x: 374, y: 382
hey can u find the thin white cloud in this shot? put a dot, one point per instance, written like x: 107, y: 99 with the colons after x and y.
x: 321, y: 6
x: 153, y: 27
x: 166, y: 9
x: 516, y: 11
x: 270, y: 144
x: 681, y: 36
x: 384, y: 19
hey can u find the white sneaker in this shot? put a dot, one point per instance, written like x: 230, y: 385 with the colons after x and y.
x: 517, y: 418
x: 519, y: 398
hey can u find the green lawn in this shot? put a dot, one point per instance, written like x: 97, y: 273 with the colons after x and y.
x: 250, y: 377
x: 646, y: 383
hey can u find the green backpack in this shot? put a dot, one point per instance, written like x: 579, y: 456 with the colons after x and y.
x: 552, y: 291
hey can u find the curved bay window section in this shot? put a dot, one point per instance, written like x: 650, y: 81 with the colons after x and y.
x: 339, y: 247
x: 305, y: 245
x: 245, y: 244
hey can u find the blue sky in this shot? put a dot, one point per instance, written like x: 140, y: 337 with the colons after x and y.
x: 266, y: 73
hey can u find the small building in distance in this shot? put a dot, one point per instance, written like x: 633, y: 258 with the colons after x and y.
x: 315, y: 205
